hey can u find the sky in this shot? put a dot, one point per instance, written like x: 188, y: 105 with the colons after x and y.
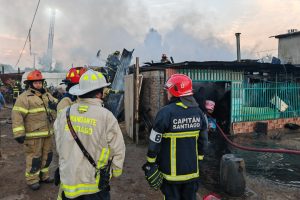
x: 189, y: 30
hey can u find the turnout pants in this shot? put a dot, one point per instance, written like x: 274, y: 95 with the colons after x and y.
x: 182, y: 191
x: 38, y: 153
x: 102, y: 195
x: 54, y: 164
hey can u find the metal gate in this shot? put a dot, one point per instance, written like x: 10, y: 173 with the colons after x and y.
x: 264, y: 101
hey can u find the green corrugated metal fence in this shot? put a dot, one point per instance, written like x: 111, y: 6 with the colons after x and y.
x: 203, y: 75
x: 262, y: 101
x: 255, y: 101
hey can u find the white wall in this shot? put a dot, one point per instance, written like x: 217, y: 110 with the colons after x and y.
x: 289, y: 49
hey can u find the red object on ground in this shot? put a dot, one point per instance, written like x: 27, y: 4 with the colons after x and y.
x: 212, y: 196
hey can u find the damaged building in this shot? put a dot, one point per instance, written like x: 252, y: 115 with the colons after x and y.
x: 289, y: 47
x: 245, y: 92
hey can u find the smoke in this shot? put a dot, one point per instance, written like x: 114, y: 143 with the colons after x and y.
x: 152, y: 47
x: 57, y: 66
x: 183, y: 46
x: 7, y: 68
x: 190, y: 30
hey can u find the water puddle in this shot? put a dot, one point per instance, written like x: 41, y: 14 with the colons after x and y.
x: 283, y: 169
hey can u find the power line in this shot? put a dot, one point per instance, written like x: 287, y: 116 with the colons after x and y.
x: 29, y: 32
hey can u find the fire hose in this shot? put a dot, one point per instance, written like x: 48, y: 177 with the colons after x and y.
x: 286, y: 151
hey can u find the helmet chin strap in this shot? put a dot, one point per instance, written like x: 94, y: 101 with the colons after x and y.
x: 42, y: 90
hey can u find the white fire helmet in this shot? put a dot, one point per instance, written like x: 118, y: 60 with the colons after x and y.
x: 89, y: 81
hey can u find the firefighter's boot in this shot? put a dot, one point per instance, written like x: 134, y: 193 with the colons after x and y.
x: 48, y: 180
x: 35, y: 186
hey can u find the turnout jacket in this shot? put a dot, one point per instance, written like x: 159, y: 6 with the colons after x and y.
x: 66, y: 101
x: 177, y: 141
x: 31, y: 116
x: 100, y: 134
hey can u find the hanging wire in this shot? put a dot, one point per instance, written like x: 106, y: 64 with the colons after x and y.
x: 28, y: 35
x: 30, y: 41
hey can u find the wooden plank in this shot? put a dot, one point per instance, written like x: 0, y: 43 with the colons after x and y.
x: 128, y: 103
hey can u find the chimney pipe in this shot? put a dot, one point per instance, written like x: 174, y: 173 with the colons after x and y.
x: 238, y: 46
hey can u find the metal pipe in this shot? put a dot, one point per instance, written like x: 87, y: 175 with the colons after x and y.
x: 238, y: 46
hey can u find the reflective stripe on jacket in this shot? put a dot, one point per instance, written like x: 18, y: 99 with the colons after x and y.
x: 100, y: 134
x: 177, y: 141
x: 31, y: 116
x: 16, y: 92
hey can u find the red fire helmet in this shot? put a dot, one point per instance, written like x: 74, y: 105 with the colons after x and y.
x: 179, y: 85
x: 74, y: 74
x: 35, y: 75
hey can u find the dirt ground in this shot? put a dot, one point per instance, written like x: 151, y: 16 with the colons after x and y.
x: 130, y: 186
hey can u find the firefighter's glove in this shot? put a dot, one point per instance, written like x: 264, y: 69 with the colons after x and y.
x: 56, y: 177
x: 20, y: 140
x: 153, y: 175
x: 52, y: 105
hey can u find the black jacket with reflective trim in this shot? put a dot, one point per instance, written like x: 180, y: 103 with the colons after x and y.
x: 178, y: 137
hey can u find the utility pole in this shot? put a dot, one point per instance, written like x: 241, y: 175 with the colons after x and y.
x: 50, y: 39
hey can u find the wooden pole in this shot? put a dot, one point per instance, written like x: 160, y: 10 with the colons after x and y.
x: 136, y: 108
x: 134, y: 103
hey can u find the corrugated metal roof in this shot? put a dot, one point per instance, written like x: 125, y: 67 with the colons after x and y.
x: 287, y: 35
x: 247, y: 66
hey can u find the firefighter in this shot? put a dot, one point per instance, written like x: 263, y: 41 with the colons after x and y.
x: 72, y: 78
x: 32, y: 123
x: 100, y: 135
x: 177, y: 143
x: 2, y: 100
x: 165, y: 59
x: 112, y: 63
x: 16, y: 91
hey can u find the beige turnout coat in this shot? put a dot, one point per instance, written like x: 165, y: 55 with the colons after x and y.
x: 31, y: 116
x: 100, y: 134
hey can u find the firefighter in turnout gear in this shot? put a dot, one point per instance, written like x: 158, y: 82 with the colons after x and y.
x: 32, y: 123
x: 177, y: 143
x: 16, y: 91
x: 100, y: 136
x: 72, y: 78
